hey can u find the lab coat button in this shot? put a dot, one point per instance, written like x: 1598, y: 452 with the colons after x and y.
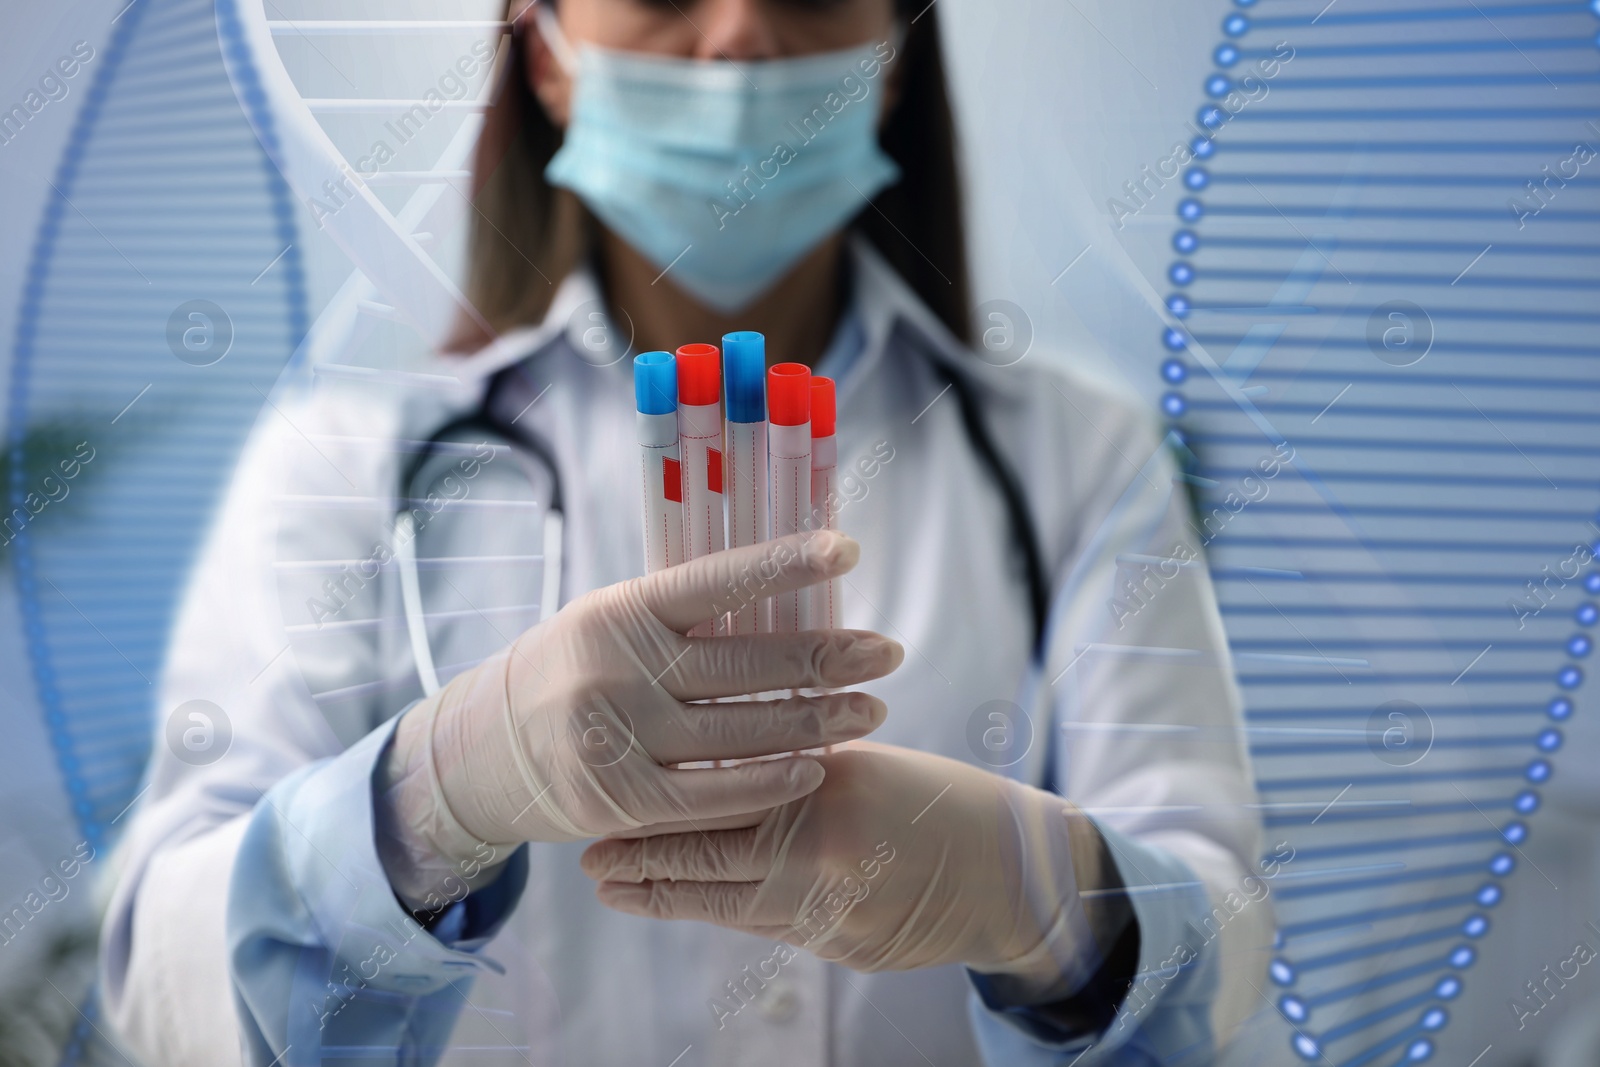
x: 779, y: 1003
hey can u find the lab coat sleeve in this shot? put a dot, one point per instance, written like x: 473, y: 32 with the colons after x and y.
x: 322, y: 955
x: 1143, y: 730
x: 1165, y: 1016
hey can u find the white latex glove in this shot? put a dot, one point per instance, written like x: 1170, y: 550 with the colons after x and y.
x: 572, y: 731
x: 900, y: 860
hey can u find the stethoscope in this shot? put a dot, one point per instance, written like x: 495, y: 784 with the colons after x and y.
x: 436, y: 459
x: 535, y: 460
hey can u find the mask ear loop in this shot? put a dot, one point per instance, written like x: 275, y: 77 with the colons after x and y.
x: 544, y: 19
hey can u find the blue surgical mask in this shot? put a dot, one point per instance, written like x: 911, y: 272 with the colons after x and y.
x: 723, y: 174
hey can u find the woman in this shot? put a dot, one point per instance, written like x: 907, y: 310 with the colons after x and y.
x: 371, y: 873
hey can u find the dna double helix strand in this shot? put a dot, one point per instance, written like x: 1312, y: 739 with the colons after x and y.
x: 163, y: 296
x: 392, y: 206
x: 374, y: 123
x: 164, y: 299
x: 1380, y: 359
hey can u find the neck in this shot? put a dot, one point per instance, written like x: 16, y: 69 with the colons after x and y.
x: 797, y: 316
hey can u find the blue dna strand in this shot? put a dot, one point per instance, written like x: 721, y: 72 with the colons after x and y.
x: 163, y: 297
x: 1380, y: 362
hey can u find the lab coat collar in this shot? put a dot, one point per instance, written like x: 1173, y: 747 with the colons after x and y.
x: 880, y: 297
x: 887, y: 303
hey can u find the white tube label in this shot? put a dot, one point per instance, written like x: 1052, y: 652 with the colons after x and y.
x: 789, y: 452
x: 661, y: 483
x: 824, y: 502
x: 749, y: 522
x: 700, y: 448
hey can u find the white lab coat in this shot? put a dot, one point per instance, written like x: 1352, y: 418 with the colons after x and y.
x: 583, y: 985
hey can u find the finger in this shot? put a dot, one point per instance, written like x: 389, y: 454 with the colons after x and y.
x: 701, y: 826
x: 761, y: 727
x: 725, y: 856
x: 723, y: 903
x: 762, y: 663
x: 712, y: 793
x: 704, y: 588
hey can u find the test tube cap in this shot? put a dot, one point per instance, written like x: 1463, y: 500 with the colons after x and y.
x: 789, y: 394
x: 655, y: 383
x: 823, y: 409
x: 744, y: 370
x: 699, y: 375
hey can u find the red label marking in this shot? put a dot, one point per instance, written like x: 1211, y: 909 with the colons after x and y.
x: 671, y: 480
x: 714, y: 470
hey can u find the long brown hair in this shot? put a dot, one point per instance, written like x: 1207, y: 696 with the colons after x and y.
x: 527, y: 235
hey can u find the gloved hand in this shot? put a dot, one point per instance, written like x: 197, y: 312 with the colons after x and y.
x: 573, y: 730
x: 901, y: 859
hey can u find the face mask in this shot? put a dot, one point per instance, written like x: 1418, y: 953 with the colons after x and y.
x: 722, y: 174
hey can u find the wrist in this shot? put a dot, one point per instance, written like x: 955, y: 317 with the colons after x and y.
x: 1068, y: 908
x: 429, y: 856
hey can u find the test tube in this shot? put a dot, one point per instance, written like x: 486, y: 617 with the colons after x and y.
x: 744, y: 374
x: 655, y: 392
x: 824, y: 470
x: 789, y: 458
x: 700, y: 443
